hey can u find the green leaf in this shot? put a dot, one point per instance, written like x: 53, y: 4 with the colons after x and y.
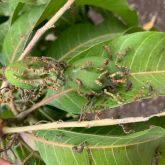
x: 162, y: 156
x: 23, y: 151
x: 70, y: 102
x: 146, y: 63
x: 50, y: 9
x: 18, y: 35
x: 34, y: 2
x: 119, y: 7
x: 4, y: 8
x: 15, y: 7
x: 3, y: 30
x: 58, y: 146
x: 8, y: 8
x: 85, y: 36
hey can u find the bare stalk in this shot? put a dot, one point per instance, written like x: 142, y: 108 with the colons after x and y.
x: 43, y: 29
x: 42, y: 103
x: 87, y: 124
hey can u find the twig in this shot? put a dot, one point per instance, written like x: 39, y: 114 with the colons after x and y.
x: 28, y: 157
x: 42, y: 103
x: 87, y: 124
x: 47, y: 26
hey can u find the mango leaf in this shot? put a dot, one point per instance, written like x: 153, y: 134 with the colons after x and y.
x: 22, y: 151
x: 3, y: 30
x: 119, y: 7
x: 19, y: 32
x: 69, y: 147
x: 4, y: 8
x: 15, y: 7
x: 144, y: 60
x: 70, y: 102
x: 162, y: 160
x: 141, y: 110
x: 83, y: 40
x: 8, y: 8
x: 85, y: 36
x: 34, y: 2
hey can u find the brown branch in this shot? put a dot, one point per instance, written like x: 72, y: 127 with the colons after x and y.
x: 47, y: 26
x: 42, y: 103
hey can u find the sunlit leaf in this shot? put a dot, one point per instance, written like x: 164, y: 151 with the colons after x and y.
x: 59, y: 146
x: 145, y: 61
x: 85, y: 36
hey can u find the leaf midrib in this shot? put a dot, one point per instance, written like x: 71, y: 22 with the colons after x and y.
x: 40, y: 139
x: 85, y: 43
x: 148, y: 72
